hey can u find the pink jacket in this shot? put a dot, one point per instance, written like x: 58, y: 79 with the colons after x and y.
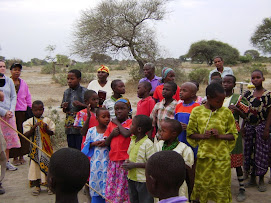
x: 23, y: 97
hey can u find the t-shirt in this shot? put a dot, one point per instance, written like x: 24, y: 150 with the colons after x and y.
x: 158, y: 93
x: 109, y: 104
x: 119, y: 144
x: 145, y: 106
x: 95, y: 85
x: 226, y: 71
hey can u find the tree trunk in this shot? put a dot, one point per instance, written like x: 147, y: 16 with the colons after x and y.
x: 138, y: 59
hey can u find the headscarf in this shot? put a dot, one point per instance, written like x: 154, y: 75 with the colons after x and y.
x: 103, y: 69
x: 165, y: 71
x: 126, y: 101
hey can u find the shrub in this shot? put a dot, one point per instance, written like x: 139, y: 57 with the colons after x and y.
x: 48, y: 69
x: 245, y: 59
x: 134, y: 74
x: 200, y: 75
x: 249, y: 68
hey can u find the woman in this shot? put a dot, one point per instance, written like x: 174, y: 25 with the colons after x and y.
x: 102, y: 86
x: 23, y: 101
x: 7, y: 108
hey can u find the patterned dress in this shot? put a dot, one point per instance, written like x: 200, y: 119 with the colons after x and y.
x: 213, y: 169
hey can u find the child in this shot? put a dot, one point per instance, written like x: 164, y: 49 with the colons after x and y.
x: 96, y: 149
x: 86, y: 118
x: 216, y: 77
x: 140, y: 150
x: 197, y: 99
x: 257, y: 125
x: 239, y: 107
x: 170, y: 129
x: 168, y: 75
x: 68, y: 173
x: 166, y: 187
x: 118, y: 88
x: 72, y: 103
x: 146, y: 104
x: 212, y: 127
x: 165, y: 108
x: 40, y: 129
x: 118, y: 138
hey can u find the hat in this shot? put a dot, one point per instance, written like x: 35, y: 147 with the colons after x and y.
x: 16, y: 65
x: 165, y: 71
x: 103, y: 69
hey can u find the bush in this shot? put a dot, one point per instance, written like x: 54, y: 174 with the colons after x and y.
x: 134, y: 74
x: 245, y: 59
x: 48, y: 69
x: 83, y: 67
x: 200, y: 75
x: 248, y: 69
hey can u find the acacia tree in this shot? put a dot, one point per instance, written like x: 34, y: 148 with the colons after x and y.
x: 253, y: 53
x: 120, y: 25
x: 261, y: 38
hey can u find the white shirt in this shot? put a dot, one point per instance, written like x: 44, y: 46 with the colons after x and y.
x: 94, y: 85
x: 226, y: 71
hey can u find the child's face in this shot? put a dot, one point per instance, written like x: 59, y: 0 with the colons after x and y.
x: 133, y: 127
x: 216, y: 77
x: 15, y: 72
x: 93, y: 100
x: 2, y: 67
x: 104, y: 117
x: 141, y: 90
x: 217, y: 102
x: 228, y: 83
x: 218, y: 62
x: 167, y: 91
x: 119, y: 88
x: 73, y: 81
x: 121, y: 111
x: 257, y: 79
x: 170, y: 77
x: 186, y: 92
x: 166, y: 132
x: 38, y: 110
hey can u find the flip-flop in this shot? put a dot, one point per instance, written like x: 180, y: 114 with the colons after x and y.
x: 36, y: 191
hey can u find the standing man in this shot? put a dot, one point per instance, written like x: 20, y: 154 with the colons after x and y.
x: 219, y: 62
x: 149, y: 73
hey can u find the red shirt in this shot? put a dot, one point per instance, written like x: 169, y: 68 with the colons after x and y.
x: 158, y: 93
x: 119, y: 144
x: 145, y: 106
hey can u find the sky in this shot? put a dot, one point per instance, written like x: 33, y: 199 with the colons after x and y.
x: 29, y: 26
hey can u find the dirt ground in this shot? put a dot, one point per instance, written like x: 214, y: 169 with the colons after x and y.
x: 43, y: 88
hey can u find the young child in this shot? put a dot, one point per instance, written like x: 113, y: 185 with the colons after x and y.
x: 216, y: 77
x: 170, y: 129
x: 239, y: 107
x: 86, y: 118
x: 166, y: 187
x: 146, y: 104
x: 95, y: 148
x: 118, y: 138
x: 139, y: 151
x: 257, y: 139
x: 212, y: 127
x: 197, y: 99
x: 168, y: 75
x: 68, y: 173
x: 40, y: 129
x: 165, y: 108
x: 118, y: 88
x: 73, y: 102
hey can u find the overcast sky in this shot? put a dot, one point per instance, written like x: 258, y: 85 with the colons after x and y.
x: 29, y: 26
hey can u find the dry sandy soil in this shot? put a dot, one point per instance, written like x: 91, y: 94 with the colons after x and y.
x: 43, y: 88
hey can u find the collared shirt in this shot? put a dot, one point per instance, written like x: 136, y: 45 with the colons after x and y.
x: 154, y: 82
x: 145, y: 106
x: 226, y: 71
x: 109, y: 104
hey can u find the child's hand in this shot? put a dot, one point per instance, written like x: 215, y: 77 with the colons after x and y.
x: 207, y: 134
x: 101, y: 144
x: 184, y: 126
x: 96, y: 143
x: 76, y: 103
x: 64, y: 106
x: 9, y: 114
x: 115, y: 132
x: 215, y: 133
x: 45, y: 127
x: 115, y: 121
x: 127, y: 165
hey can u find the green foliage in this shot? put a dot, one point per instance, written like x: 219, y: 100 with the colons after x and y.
x: 37, y: 62
x: 245, y: 59
x: 134, y: 74
x: 200, y: 75
x: 253, y: 53
x: 62, y: 78
x: 62, y: 60
x: 100, y: 58
x: 48, y: 69
x: 84, y: 67
x: 247, y: 69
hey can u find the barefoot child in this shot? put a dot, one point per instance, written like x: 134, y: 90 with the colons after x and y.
x: 212, y: 127
x: 166, y: 187
x: 239, y: 107
x: 118, y: 138
x: 40, y: 129
x: 73, y: 102
x: 95, y: 148
x: 146, y: 104
x: 257, y: 139
x: 140, y: 150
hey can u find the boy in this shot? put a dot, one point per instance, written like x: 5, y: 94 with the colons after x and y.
x: 68, y: 173
x: 146, y: 104
x: 40, y: 129
x: 73, y: 102
x: 216, y: 77
x: 140, y: 150
x: 165, y: 108
x: 118, y: 88
x: 165, y: 187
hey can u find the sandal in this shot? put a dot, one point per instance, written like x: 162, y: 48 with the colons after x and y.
x: 36, y: 191
x: 49, y: 191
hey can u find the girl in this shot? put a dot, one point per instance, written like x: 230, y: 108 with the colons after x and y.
x: 118, y: 138
x: 212, y: 128
x: 168, y: 75
x: 95, y: 148
x: 257, y: 131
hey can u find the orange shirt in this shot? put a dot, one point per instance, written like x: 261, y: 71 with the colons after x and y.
x: 158, y: 93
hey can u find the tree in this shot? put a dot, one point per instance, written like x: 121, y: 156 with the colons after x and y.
x: 62, y: 60
x: 253, y: 53
x: 261, y: 38
x: 120, y: 25
x: 207, y: 50
x: 100, y: 58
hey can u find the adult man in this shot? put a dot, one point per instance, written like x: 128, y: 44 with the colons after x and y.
x: 219, y: 62
x: 149, y: 72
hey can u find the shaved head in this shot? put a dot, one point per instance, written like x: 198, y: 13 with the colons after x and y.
x: 191, y: 86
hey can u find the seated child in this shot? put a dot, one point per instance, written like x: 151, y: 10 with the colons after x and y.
x: 165, y: 187
x: 140, y: 150
x: 118, y: 88
x: 165, y: 108
x: 146, y: 104
x: 68, y: 173
x: 170, y: 129
x: 95, y: 148
x: 40, y: 129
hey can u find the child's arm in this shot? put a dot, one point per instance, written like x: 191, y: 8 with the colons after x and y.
x: 267, y: 125
x: 78, y: 103
x: 32, y: 130
x: 113, y: 134
x: 123, y: 131
x: 128, y: 165
x: 204, y: 136
x: 215, y: 133
x: 47, y: 130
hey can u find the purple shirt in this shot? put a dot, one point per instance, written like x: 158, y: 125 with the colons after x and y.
x: 174, y: 200
x: 23, y: 97
x: 154, y: 82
